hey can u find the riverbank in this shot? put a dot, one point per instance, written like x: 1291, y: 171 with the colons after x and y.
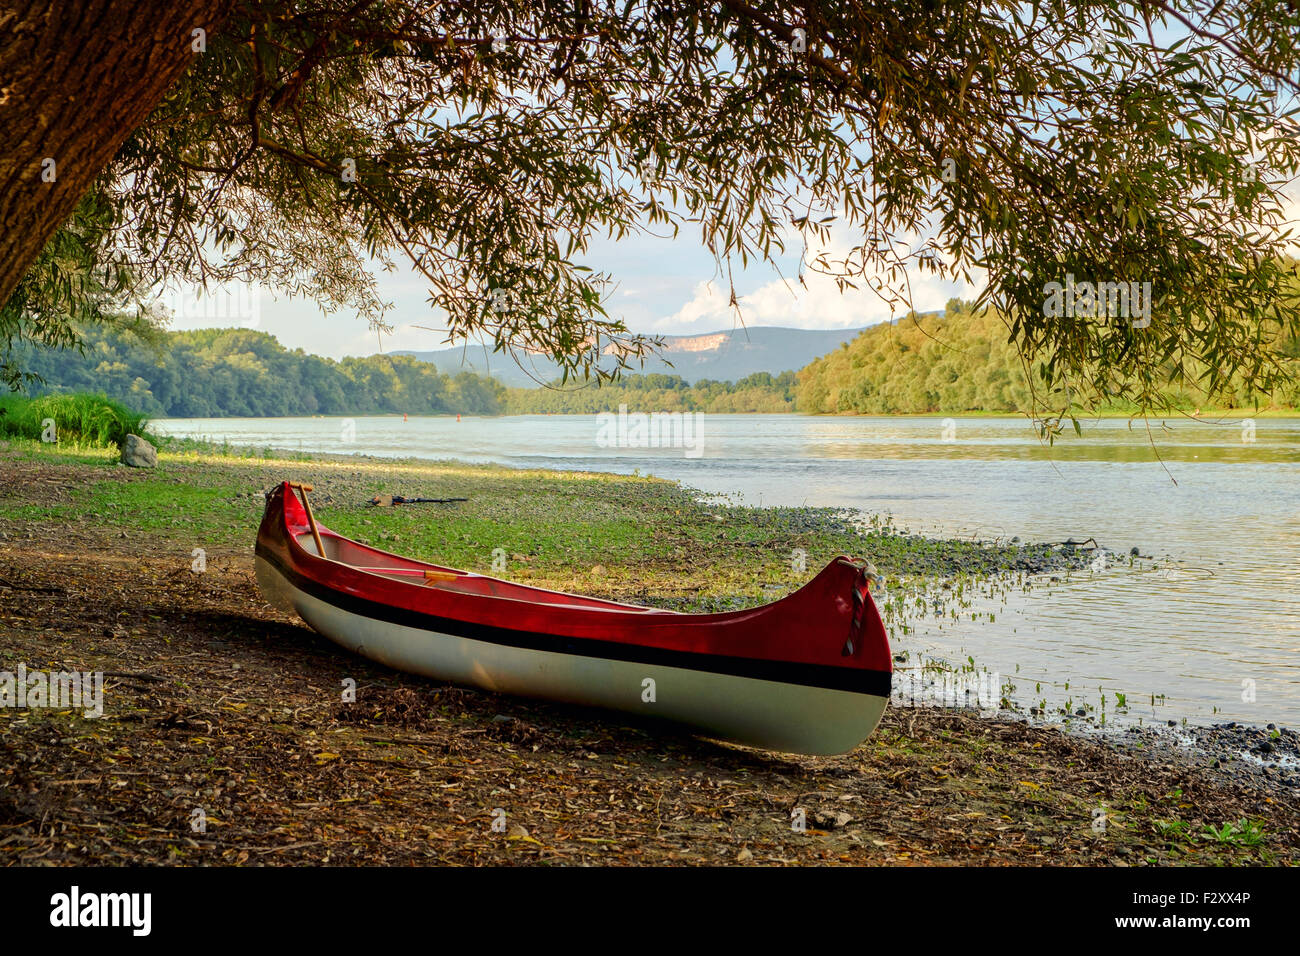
x: 220, y: 704
x: 1206, y: 415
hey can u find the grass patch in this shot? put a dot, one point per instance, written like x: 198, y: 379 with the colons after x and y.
x: 626, y: 537
x: 76, y: 419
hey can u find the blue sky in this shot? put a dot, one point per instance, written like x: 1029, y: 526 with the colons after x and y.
x: 664, y: 286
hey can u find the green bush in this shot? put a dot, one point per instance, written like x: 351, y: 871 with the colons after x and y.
x: 79, y: 419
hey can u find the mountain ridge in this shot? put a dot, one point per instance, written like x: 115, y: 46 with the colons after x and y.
x: 723, y: 355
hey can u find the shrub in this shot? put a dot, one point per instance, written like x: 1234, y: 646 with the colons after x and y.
x: 80, y: 419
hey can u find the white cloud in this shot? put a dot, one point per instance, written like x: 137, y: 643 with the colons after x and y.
x: 817, y: 303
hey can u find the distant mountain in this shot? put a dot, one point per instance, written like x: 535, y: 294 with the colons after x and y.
x: 723, y: 356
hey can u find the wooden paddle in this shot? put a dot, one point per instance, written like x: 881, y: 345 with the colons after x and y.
x: 311, y: 518
x: 388, y: 501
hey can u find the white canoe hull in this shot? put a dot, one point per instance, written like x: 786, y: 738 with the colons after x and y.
x: 787, y: 717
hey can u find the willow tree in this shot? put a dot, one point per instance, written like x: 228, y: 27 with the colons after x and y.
x: 309, y: 145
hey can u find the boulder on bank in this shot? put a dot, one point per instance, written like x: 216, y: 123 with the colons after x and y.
x: 138, y: 453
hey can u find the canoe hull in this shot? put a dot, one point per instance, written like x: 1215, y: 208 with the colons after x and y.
x: 809, y: 673
x: 774, y: 715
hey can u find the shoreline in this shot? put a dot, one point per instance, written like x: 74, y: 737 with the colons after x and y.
x: 947, y: 560
x: 939, y: 561
x: 1207, y: 416
x: 95, y: 564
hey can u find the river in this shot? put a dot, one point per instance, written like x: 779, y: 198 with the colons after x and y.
x: 1208, y: 632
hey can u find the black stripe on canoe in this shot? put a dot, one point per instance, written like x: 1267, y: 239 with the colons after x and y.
x: 853, y: 679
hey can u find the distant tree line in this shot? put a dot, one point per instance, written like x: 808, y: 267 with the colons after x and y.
x: 760, y: 392
x: 954, y: 362
x: 242, y: 372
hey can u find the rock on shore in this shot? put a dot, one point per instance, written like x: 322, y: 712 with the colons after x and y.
x: 138, y: 453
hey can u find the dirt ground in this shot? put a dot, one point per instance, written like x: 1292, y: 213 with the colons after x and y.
x: 225, y: 740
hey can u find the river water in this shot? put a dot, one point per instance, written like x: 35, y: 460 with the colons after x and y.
x: 1207, y: 632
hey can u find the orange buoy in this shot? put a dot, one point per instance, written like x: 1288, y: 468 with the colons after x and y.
x: 458, y: 416
x: 403, y: 416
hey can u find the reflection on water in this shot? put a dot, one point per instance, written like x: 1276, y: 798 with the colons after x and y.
x: 1216, y: 629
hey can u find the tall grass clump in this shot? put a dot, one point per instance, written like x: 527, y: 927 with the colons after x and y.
x: 78, y: 419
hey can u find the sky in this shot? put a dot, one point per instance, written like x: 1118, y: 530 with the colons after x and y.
x: 663, y: 286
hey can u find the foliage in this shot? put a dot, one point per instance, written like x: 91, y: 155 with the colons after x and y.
x: 220, y: 372
x: 760, y: 392
x: 80, y: 419
x: 1242, y: 833
x: 488, y: 143
x: 961, y: 361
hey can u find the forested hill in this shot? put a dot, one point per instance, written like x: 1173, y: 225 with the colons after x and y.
x: 951, y: 363
x: 948, y: 364
x: 221, y: 372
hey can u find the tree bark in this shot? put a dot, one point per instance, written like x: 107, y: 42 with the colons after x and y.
x: 76, y: 77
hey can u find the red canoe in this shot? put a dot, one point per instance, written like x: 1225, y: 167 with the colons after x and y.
x: 809, y: 673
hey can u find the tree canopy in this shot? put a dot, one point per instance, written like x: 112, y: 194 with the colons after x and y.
x: 312, y: 143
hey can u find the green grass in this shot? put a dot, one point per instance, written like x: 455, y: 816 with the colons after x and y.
x: 75, y: 419
x: 633, y: 538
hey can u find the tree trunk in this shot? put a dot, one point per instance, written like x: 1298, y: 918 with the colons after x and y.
x: 76, y: 77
